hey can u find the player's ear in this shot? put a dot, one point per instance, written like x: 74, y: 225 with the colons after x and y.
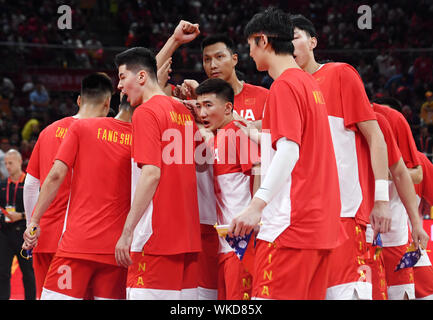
x: 142, y: 77
x: 264, y: 39
x: 228, y: 108
x: 79, y: 100
x: 235, y: 59
x: 107, y: 102
x: 313, y: 43
x: 106, y: 106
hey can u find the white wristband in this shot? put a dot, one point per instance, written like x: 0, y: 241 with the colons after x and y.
x: 381, y: 192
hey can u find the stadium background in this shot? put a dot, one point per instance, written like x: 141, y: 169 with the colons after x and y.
x: 394, y: 57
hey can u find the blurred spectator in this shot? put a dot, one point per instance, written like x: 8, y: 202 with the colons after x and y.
x: 31, y: 128
x: 7, y: 88
x: 412, y: 118
x: 39, y: 98
x: 4, y: 147
x: 95, y: 51
x: 424, y: 141
x: 423, y: 67
x: 426, y: 113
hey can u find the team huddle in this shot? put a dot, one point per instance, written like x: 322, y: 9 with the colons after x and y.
x: 324, y: 184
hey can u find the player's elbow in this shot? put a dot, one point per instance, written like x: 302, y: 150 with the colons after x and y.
x: 57, y: 172
x: 152, y: 173
x: 399, y: 172
x: 416, y: 174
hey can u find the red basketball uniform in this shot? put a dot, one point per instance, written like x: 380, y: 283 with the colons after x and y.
x: 98, y: 151
x: 301, y: 217
x: 249, y: 103
x: 164, y: 136
x: 51, y: 223
x: 235, y: 156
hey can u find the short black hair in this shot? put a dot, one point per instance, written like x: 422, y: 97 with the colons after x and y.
x: 96, y: 86
x: 389, y: 101
x: 136, y: 59
x: 215, y: 38
x: 275, y: 24
x: 221, y: 88
x: 301, y: 22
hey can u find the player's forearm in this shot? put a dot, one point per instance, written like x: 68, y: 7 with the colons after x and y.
x: 144, y: 192
x: 30, y: 195
x: 280, y: 169
x: 49, y: 190
x: 378, y: 149
x: 406, y: 191
x: 167, y: 51
x: 48, y: 193
x: 257, y: 178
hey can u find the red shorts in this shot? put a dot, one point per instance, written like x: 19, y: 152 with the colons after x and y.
x: 208, y: 263
x: 399, y: 282
x: 70, y: 278
x: 234, y: 281
x: 170, y: 277
x: 41, y: 263
x: 349, y: 272
x: 378, y: 277
x: 423, y: 282
x: 290, y: 274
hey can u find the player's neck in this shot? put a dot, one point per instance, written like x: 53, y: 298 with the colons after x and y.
x: 88, y: 111
x: 312, y: 66
x: 226, y: 121
x: 278, y: 63
x: 236, y: 84
x: 151, y: 90
x: 124, y: 115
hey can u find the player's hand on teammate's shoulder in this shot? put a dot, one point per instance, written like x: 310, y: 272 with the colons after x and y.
x: 247, y: 127
x: 187, y: 89
x: 191, y: 105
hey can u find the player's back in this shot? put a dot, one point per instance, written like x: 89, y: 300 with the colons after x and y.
x: 402, y: 133
x: 39, y: 166
x: 98, y: 151
x: 249, y: 103
x: 347, y: 105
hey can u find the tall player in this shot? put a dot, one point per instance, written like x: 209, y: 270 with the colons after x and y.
x: 94, y: 92
x: 160, y: 240
x: 95, y: 217
x: 361, y: 153
x: 299, y: 199
x: 219, y: 61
